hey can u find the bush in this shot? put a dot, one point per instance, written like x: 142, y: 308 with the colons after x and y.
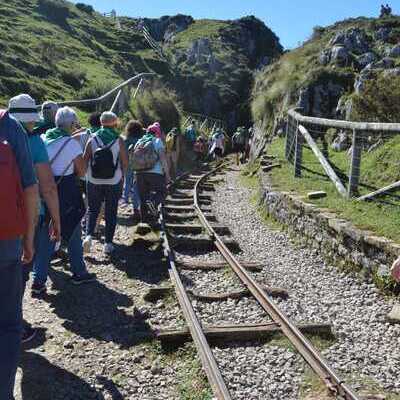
x: 74, y: 78
x: 55, y: 10
x: 157, y: 103
x: 85, y: 8
x: 379, y: 102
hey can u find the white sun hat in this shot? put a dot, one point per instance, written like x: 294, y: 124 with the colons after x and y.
x: 23, y: 108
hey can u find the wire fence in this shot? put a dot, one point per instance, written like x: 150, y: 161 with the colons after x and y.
x: 343, y: 152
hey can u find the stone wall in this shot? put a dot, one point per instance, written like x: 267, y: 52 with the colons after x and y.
x: 336, y: 239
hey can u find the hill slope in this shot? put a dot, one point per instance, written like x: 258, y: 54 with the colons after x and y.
x: 53, y: 49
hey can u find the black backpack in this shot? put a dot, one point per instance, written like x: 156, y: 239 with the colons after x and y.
x: 102, y: 163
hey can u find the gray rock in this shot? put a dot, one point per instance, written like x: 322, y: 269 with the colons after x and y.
x: 395, y: 51
x: 383, y: 34
x: 342, y: 142
x: 325, y: 57
x: 354, y: 40
x: 365, y: 59
x: 199, y: 51
x: 340, y: 55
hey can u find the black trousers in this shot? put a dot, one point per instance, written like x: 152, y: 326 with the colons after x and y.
x: 152, y: 188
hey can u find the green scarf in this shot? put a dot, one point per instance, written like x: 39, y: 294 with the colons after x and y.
x: 107, y: 135
x: 53, y: 134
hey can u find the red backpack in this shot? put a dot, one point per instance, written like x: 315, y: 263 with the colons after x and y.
x: 13, y: 221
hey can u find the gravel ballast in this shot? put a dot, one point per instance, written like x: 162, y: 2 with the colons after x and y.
x: 367, y: 347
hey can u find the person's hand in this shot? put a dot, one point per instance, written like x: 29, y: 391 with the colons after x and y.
x: 28, y: 249
x: 55, y: 231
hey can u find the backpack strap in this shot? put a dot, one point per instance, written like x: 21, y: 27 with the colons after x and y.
x: 59, y: 151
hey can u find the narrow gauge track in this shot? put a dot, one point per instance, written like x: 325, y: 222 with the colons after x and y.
x: 314, y: 359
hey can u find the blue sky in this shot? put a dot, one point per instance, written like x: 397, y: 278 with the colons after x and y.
x: 291, y: 20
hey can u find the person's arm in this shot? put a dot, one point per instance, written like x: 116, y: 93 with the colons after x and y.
x: 123, y: 155
x: 88, y: 152
x: 48, y: 191
x: 79, y: 166
x: 31, y: 197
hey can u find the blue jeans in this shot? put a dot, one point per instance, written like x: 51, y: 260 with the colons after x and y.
x: 10, y: 318
x: 131, y: 190
x: 110, y: 194
x: 45, y: 250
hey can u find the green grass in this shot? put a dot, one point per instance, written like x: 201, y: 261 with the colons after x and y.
x: 204, y: 28
x: 382, y: 219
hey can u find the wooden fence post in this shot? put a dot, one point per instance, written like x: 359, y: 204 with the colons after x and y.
x: 288, y: 141
x: 298, y: 155
x: 354, y: 175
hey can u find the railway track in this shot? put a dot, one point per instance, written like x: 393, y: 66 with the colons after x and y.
x: 188, y: 210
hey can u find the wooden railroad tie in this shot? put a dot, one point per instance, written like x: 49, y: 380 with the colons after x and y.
x: 177, y: 217
x: 184, y: 209
x: 188, y: 196
x: 196, y: 229
x: 157, y: 293
x: 240, y: 332
x: 200, y: 243
x: 193, y: 265
x: 185, y: 202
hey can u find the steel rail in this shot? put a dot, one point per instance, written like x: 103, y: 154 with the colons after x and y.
x: 316, y: 361
x: 207, y: 358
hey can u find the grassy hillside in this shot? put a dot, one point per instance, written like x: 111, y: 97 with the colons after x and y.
x: 56, y: 50
x: 52, y: 56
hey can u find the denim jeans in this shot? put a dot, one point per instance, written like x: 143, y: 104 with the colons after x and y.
x: 131, y: 190
x: 10, y: 322
x: 45, y: 250
x: 110, y: 194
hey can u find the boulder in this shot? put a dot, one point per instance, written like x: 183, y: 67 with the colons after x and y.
x: 394, y: 51
x: 385, y: 63
x: 340, y: 55
x: 354, y: 40
x: 365, y: 75
x: 344, y: 108
x: 383, y: 34
x: 325, y: 57
x: 366, y: 59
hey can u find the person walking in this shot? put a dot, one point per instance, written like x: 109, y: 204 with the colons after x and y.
x: 133, y: 133
x: 21, y: 108
x: 67, y: 163
x: 49, y: 110
x: 151, y: 181
x: 18, y: 213
x: 107, y: 162
x: 173, y: 148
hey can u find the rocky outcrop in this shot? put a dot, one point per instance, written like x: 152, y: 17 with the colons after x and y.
x: 320, y: 100
x: 166, y: 27
x: 353, y: 40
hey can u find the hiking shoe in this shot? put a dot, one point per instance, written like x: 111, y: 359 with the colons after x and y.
x: 28, y: 333
x: 80, y: 280
x: 38, y: 288
x: 109, y: 248
x: 87, y: 244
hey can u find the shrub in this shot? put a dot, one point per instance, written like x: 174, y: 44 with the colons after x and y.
x: 379, y: 102
x: 55, y: 10
x: 49, y: 52
x: 85, y: 8
x: 74, y: 78
x: 157, y: 103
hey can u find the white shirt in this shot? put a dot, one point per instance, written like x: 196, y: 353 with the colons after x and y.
x: 69, y: 153
x: 115, y: 148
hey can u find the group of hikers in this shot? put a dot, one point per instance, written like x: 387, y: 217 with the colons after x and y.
x: 386, y: 11
x: 59, y: 179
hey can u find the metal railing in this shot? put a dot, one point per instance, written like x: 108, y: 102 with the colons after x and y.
x: 311, y: 133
